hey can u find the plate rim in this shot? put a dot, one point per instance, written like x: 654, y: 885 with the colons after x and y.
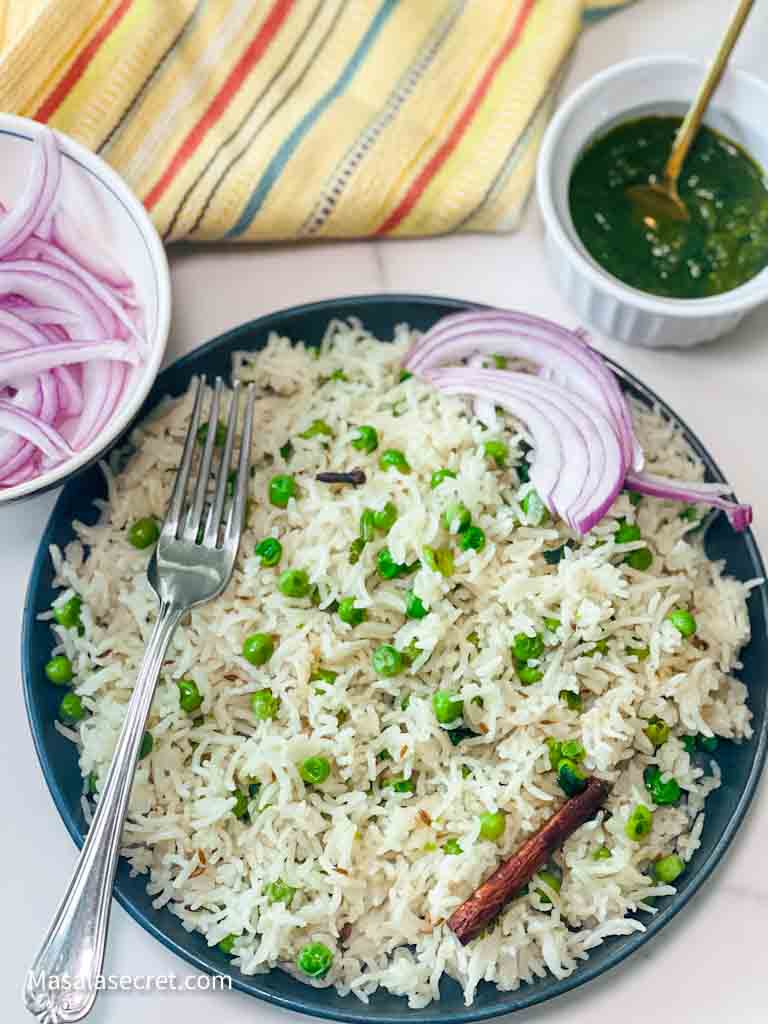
x: 526, y: 995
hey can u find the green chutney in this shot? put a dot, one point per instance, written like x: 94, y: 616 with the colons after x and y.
x: 723, y: 245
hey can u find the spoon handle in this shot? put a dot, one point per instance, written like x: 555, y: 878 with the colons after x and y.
x: 690, y: 126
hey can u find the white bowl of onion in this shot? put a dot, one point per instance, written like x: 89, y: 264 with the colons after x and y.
x: 85, y: 303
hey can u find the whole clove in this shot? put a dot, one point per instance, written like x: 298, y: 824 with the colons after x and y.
x: 354, y: 477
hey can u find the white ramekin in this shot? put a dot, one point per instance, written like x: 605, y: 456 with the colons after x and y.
x: 651, y: 85
x: 125, y: 229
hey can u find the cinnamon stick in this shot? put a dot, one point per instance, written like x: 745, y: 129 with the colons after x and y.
x: 486, y: 902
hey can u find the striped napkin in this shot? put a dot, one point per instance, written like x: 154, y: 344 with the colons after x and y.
x: 249, y: 120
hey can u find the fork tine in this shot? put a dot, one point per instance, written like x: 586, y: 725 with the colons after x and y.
x: 214, y: 514
x: 176, y: 504
x: 237, y: 508
x: 194, y: 517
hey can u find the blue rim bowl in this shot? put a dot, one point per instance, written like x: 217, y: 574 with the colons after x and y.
x: 741, y: 763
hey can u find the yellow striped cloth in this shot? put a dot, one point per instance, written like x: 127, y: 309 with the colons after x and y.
x: 296, y: 119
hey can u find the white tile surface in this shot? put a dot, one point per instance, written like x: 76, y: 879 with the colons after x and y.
x: 709, y: 965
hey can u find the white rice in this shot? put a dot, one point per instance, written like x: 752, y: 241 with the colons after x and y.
x: 373, y: 882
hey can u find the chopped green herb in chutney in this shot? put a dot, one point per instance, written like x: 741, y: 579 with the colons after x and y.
x: 722, y: 246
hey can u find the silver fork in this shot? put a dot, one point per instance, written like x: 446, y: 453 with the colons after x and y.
x: 183, y: 573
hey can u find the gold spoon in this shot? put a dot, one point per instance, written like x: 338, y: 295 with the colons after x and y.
x: 661, y: 199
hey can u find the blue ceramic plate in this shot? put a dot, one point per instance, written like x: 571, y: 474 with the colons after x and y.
x: 741, y: 764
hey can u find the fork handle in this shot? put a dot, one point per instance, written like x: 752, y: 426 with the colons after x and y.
x: 62, y: 984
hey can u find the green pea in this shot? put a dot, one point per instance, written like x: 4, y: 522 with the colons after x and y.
x: 286, y: 451
x: 384, y: 519
x: 147, y: 743
x: 350, y: 614
x: 71, y: 708
x: 707, y: 743
x: 683, y: 621
x: 59, y: 670
x: 573, y: 750
x: 525, y: 647
x: 219, y: 438
x: 457, y: 518
x: 639, y: 823
x: 281, y: 489
x: 315, y: 429
x: 473, y: 539
x: 401, y: 785
x: 315, y: 770
x: 572, y: 700
x: 657, y: 731
x: 555, y: 752
x: 68, y: 614
x: 269, y: 550
x: 393, y: 458
x: 498, y: 451
x: 626, y: 532
x: 602, y: 853
x: 452, y: 847
x: 314, y: 959
x: 367, y: 439
x: 323, y: 675
x: 258, y: 648
x: 529, y: 675
x: 439, y: 475
x: 356, y: 550
x: 439, y: 560
x: 387, y: 660
x: 227, y: 944
x: 189, y: 695
x: 447, y: 707
x: 386, y: 566
x: 414, y: 606
x: 264, y: 705
x: 668, y: 869
x: 641, y: 559
x: 241, y: 805
x: 662, y: 793
x: 641, y: 653
x: 534, y: 509
x: 492, y: 825
x: 570, y: 778
x: 294, y: 583
x: 280, y: 892
x: 367, y: 525
x: 550, y: 879
x: 143, y: 533
x: 689, y: 743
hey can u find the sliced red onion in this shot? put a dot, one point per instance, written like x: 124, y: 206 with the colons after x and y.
x: 70, y: 325
x: 565, y: 355
x: 26, y: 216
x: 739, y: 515
x: 30, y: 362
x: 581, y: 479
x: 32, y: 428
x: 47, y: 253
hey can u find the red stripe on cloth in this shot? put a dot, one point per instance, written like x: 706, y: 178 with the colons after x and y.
x: 440, y: 155
x: 79, y: 65
x: 221, y: 100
